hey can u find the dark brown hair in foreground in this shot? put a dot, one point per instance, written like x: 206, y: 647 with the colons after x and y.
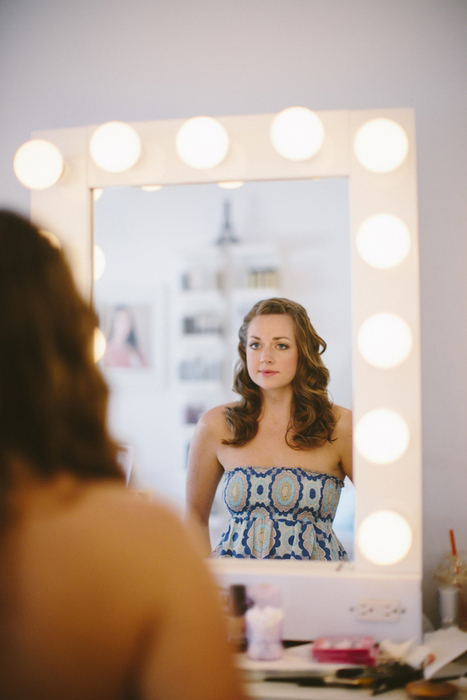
x: 312, y: 419
x: 53, y: 399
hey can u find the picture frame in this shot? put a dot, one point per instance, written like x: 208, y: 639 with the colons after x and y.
x: 134, y: 323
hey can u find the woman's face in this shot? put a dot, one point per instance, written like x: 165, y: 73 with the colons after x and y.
x: 122, y: 324
x: 271, y: 351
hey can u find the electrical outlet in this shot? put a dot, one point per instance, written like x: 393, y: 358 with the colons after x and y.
x: 378, y: 610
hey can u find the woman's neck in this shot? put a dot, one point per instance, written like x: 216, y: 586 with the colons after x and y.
x: 276, y: 404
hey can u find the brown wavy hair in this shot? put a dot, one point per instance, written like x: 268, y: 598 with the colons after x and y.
x: 53, y: 398
x: 312, y: 419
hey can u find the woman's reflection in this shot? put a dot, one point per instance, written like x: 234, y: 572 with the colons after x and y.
x: 284, y: 447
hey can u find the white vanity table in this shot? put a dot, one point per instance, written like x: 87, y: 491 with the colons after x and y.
x: 446, y: 648
x: 299, y: 658
x: 318, y: 598
x: 264, y: 691
x: 289, y: 691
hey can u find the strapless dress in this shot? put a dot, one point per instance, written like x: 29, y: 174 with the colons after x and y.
x: 280, y: 513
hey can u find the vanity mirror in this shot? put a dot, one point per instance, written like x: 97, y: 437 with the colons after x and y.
x: 188, y: 262
x: 318, y: 598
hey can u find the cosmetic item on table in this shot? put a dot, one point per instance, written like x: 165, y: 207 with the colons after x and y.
x: 264, y: 622
x: 345, y: 649
x: 380, y: 678
x: 431, y: 689
x: 451, y: 578
x: 448, y: 605
x: 320, y: 680
x: 237, y: 607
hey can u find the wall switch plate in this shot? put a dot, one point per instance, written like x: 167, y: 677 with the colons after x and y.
x: 378, y: 610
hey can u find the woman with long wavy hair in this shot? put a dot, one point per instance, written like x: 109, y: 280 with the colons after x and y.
x: 103, y: 595
x: 284, y: 447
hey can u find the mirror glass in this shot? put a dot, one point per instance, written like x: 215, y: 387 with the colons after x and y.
x: 173, y: 293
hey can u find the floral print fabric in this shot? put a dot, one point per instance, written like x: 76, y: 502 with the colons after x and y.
x: 280, y: 513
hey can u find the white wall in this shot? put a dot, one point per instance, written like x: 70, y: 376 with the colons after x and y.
x: 74, y: 63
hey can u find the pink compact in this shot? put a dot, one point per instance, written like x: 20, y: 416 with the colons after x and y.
x: 345, y: 649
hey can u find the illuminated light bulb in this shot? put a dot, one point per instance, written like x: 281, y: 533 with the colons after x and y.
x: 383, y: 241
x: 38, y: 164
x: 115, y: 147
x: 384, y: 537
x: 232, y: 185
x: 99, y: 262
x: 384, y: 340
x: 202, y: 142
x: 381, y: 145
x: 381, y: 436
x: 297, y: 133
x: 97, y: 193
x: 100, y: 345
x: 151, y: 188
x: 51, y: 237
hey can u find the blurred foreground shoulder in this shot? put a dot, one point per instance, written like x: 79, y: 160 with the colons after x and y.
x: 185, y: 652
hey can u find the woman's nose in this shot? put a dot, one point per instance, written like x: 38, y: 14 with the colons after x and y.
x: 266, y: 355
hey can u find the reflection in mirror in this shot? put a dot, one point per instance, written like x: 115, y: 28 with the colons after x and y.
x: 171, y: 300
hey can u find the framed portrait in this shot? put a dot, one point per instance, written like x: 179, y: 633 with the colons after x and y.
x: 127, y: 330
x: 135, y: 325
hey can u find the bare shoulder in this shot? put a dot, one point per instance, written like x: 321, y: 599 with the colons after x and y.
x: 123, y: 568
x: 147, y: 541
x: 213, y: 421
x: 342, y: 438
x: 129, y: 536
x: 104, y: 543
x: 343, y: 418
x: 133, y: 511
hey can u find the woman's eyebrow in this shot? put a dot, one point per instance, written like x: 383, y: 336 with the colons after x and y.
x: 277, y: 337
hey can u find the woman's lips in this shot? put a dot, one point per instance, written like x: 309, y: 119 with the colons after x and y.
x: 267, y: 372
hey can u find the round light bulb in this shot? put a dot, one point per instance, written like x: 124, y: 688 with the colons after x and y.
x: 202, y: 142
x: 297, y: 133
x: 97, y: 193
x: 383, y: 241
x: 384, y: 537
x: 381, y: 145
x: 115, y: 147
x: 384, y: 340
x: 381, y: 436
x: 38, y: 164
x: 232, y: 185
x: 99, y: 262
x: 100, y: 345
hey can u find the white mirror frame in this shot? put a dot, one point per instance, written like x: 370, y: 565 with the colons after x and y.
x: 319, y: 598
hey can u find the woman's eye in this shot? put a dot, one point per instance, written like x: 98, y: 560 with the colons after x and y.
x: 282, y: 346
x: 254, y: 346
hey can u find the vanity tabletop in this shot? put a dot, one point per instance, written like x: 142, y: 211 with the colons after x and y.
x: 262, y: 690
x: 298, y: 659
x: 289, y: 691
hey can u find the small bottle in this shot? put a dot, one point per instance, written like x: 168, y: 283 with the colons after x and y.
x: 236, y: 620
x: 264, y: 622
x: 448, y: 605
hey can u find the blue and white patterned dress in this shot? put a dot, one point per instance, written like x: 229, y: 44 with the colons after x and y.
x: 280, y: 513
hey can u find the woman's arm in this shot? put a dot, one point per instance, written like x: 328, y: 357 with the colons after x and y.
x: 204, y: 472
